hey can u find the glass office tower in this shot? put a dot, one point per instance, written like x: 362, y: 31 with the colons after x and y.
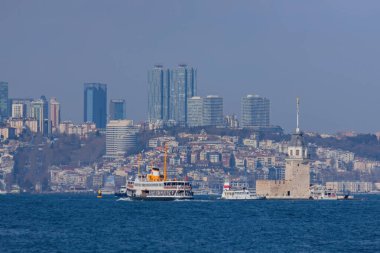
x: 183, y: 85
x: 255, y: 111
x: 3, y: 101
x: 158, y: 94
x: 117, y: 109
x: 213, y: 111
x: 95, y: 104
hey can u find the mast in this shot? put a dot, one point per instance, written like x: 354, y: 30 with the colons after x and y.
x: 298, y: 115
x: 165, y: 165
x: 138, y: 165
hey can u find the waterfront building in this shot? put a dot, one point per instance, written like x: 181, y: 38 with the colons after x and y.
x: 183, y: 85
x: 158, y: 94
x: 255, y: 111
x: 350, y: 187
x: 117, y: 109
x: 120, y: 137
x: 213, y: 111
x: 55, y: 115
x: 3, y: 101
x: 95, y: 104
x: 296, y: 184
x: 195, y: 112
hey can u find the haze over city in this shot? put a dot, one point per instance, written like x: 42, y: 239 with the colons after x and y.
x: 325, y: 52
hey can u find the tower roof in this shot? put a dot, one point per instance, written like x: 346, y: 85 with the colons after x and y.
x: 297, y: 140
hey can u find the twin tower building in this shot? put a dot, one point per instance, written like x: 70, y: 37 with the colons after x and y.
x: 172, y: 99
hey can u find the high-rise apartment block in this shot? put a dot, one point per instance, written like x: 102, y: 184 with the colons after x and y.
x: 3, y: 101
x: 213, y: 111
x: 117, y: 109
x: 37, y: 111
x: 195, y: 112
x: 206, y: 111
x: 18, y: 110
x: 24, y: 103
x: 95, y: 104
x: 255, y: 111
x: 169, y: 91
x: 55, y: 115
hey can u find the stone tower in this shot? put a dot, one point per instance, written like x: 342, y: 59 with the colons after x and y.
x: 297, y: 171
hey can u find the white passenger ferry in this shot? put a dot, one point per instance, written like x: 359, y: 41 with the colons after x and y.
x: 238, y: 194
x: 320, y: 192
x: 155, y: 186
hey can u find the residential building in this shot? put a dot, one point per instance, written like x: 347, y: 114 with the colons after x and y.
x: 255, y: 111
x: 18, y: 110
x: 24, y: 101
x: 194, y: 112
x: 117, y: 109
x: 37, y: 110
x: 213, y: 111
x: 95, y: 104
x: 55, y: 115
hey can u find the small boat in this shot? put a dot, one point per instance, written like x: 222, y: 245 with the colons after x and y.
x: 320, y: 192
x: 238, y: 194
x: 100, y: 195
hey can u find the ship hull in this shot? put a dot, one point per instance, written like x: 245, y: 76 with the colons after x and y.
x: 160, y: 198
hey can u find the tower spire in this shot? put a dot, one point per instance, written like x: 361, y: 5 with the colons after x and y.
x: 298, y: 115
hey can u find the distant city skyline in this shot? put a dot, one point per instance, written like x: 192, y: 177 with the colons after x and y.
x: 276, y: 50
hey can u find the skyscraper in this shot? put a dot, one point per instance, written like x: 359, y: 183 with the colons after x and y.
x: 183, y: 85
x: 158, y: 94
x: 213, y: 111
x: 95, y: 104
x: 3, y: 100
x: 37, y: 111
x: 55, y: 115
x: 46, y: 127
x: 255, y: 111
x: 117, y: 109
x: 195, y: 112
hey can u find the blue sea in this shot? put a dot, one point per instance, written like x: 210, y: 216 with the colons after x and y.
x: 83, y: 223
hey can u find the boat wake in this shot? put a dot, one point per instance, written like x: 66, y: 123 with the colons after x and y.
x: 124, y: 199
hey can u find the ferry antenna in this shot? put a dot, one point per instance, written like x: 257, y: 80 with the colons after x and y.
x: 298, y: 115
x: 165, y: 162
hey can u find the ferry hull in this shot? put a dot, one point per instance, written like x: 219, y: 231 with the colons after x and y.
x: 160, y: 198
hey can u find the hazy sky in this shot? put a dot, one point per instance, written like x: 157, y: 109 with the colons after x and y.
x: 326, y: 52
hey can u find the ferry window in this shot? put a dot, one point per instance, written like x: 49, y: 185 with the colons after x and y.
x: 291, y: 152
x: 297, y: 152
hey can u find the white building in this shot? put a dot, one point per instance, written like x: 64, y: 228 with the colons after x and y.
x: 120, y: 137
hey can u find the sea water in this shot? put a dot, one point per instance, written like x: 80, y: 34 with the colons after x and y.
x: 83, y: 223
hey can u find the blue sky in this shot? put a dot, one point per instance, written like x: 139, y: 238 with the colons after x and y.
x: 326, y: 52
